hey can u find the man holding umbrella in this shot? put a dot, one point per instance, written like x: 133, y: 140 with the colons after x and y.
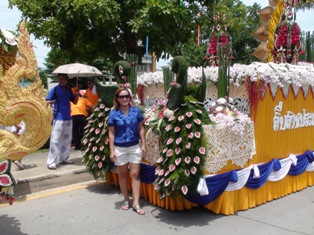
x: 61, y: 136
x: 82, y: 70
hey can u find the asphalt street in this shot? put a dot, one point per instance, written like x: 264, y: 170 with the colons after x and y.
x: 95, y: 208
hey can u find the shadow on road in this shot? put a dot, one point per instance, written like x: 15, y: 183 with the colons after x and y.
x: 10, y: 225
x: 197, y: 216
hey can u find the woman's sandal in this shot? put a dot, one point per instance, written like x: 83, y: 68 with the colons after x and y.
x: 138, y: 210
x: 125, y: 205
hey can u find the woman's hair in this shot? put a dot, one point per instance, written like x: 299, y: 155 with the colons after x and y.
x: 116, y: 104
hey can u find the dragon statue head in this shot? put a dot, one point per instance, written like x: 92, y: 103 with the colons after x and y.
x: 19, y: 104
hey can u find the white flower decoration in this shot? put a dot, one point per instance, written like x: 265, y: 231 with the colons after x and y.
x: 9, y: 37
x: 168, y: 113
x: 221, y: 101
x: 300, y: 75
x: 219, y: 109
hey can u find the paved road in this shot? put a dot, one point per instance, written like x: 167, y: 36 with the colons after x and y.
x: 95, y: 209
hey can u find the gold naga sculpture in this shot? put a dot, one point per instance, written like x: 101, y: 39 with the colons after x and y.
x: 19, y: 104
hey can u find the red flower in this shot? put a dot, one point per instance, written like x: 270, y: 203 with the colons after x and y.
x: 212, y: 46
x: 224, y: 39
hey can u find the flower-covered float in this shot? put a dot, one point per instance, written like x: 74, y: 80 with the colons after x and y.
x: 17, y: 104
x: 224, y: 154
x: 178, y: 139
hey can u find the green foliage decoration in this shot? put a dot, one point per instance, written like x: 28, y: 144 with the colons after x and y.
x: 177, y: 91
x: 133, y: 62
x: 167, y: 75
x: 106, y: 92
x: 121, y: 71
x: 201, y: 90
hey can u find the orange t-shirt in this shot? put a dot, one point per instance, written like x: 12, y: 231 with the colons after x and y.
x: 93, y: 98
x: 81, y: 107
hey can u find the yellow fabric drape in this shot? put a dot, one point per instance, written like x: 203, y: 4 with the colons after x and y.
x: 279, y: 144
x: 273, y: 22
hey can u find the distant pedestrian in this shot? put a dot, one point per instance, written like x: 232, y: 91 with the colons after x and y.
x: 17, y: 129
x: 61, y: 136
x: 79, y: 113
x: 91, y: 93
x: 126, y: 129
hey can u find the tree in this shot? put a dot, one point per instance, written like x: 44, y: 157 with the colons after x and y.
x: 85, y: 30
x: 102, y: 31
x: 241, y: 22
x: 307, y: 44
x: 43, y: 77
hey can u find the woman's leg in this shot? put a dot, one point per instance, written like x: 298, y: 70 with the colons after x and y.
x: 136, y: 186
x: 123, y: 181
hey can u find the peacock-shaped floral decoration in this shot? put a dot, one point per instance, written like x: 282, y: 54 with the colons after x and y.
x: 182, y: 154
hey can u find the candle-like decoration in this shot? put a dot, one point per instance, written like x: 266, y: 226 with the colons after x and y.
x: 198, y: 31
x: 146, y: 45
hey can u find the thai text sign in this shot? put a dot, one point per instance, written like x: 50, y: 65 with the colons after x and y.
x: 291, y: 120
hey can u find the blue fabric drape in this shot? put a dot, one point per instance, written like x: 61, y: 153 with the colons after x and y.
x: 277, y: 165
x: 265, y: 170
x: 147, y: 174
x: 303, y: 161
x: 217, y: 184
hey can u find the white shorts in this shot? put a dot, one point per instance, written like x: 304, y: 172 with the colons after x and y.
x: 125, y: 155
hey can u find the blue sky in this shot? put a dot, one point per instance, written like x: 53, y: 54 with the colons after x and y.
x: 303, y: 18
x: 10, y: 18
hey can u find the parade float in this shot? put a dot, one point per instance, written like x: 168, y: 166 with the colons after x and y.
x: 206, y: 149
x: 17, y: 104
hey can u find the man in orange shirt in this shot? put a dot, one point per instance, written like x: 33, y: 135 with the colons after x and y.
x: 79, y: 113
x: 91, y: 93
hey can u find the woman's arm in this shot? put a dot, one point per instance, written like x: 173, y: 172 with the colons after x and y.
x: 143, y: 140
x: 111, y: 132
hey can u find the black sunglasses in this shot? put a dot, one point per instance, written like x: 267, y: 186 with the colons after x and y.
x: 124, y: 96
